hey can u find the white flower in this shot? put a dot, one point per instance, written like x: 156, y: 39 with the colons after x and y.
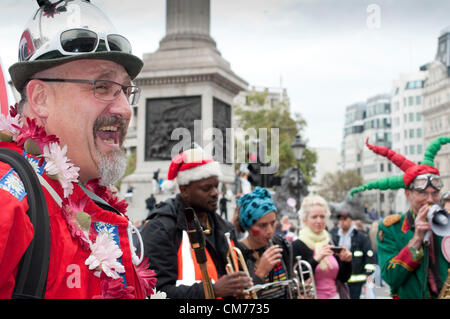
x: 104, y: 254
x: 6, y: 124
x: 58, y: 165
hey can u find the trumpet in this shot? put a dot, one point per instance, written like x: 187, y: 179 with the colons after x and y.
x: 303, y: 288
x: 234, y: 257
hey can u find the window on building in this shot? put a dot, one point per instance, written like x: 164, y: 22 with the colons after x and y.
x: 414, y: 84
x: 273, y: 102
x: 418, y: 100
x: 411, y: 100
x: 419, y: 149
x: 405, y: 118
x: 405, y: 134
x: 406, y: 150
x: 419, y: 132
x: 381, y: 167
x: 411, y: 117
x: 389, y: 167
x: 418, y: 117
x: 411, y: 133
x: 404, y: 101
x: 412, y: 149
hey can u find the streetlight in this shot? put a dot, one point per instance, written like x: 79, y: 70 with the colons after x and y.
x: 298, y: 147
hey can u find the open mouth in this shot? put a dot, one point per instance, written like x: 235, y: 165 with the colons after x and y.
x: 109, y: 131
x: 108, y: 134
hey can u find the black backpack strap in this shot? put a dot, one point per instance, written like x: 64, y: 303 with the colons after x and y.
x: 31, y: 277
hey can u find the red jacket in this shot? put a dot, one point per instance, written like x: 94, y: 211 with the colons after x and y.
x: 68, y: 276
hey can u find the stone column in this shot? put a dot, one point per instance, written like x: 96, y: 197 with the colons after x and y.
x: 187, y: 24
x: 184, y: 81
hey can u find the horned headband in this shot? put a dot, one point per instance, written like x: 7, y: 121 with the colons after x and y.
x: 411, y: 170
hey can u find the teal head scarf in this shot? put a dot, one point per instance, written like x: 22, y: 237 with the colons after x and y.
x: 253, y: 206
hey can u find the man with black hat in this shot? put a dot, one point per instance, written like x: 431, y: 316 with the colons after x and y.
x: 363, y: 261
x: 414, y: 265
x: 166, y: 239
x: 74, y: 74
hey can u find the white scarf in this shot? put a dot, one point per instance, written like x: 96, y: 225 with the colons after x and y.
x: 315, y: 242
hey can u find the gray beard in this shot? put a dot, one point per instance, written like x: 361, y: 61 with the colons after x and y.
x: 111, y: 166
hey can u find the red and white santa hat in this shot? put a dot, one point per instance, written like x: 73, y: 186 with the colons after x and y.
x: 191, y: 165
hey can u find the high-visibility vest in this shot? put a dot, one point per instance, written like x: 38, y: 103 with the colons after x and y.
x: 188, y: 268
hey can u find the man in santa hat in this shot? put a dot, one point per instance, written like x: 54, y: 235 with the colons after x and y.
x: 165, y: 234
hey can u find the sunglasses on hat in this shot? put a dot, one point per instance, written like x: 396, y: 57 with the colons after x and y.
x: 80, y: 41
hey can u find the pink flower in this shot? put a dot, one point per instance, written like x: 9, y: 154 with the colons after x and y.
x: 34, y: 132
x: 13, y: 110
x: 58, y: 165
x: 146, y: 276
x: 105, y: 193
x: 114, y: 289
x: 69, y: 209
x: 104, y: 254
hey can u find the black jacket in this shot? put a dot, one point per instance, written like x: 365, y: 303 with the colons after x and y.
x: 162, y: 235
x: 286, y: 262
x: 362, y: 252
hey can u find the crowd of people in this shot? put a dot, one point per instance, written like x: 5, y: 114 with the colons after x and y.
x: 65, y: 234
x: 343, y: 259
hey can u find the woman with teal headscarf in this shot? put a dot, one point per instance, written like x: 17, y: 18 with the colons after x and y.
x: 267, y: 255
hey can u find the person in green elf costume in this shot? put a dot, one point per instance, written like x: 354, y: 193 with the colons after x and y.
x: 412, y: 266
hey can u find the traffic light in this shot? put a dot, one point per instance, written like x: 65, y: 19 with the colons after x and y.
x: 254, y: 174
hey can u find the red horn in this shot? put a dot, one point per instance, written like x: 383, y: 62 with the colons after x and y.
x: 399, y: 160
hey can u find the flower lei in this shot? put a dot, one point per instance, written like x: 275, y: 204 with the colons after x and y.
x: 105, y: 252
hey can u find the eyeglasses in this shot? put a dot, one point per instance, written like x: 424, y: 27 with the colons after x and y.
x: 105, y: 90
x: 79, y: 41
x: 421, y: 182
x: 422, y: 194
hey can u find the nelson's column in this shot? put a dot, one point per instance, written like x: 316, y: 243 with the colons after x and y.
x: 186, y: 84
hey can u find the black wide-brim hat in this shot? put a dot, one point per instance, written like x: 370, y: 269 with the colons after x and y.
x: 21, y: 72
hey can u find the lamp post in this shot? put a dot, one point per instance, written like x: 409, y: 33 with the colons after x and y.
x: 298, y: 147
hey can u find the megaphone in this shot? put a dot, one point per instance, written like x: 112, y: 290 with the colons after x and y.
x: 440, y: 222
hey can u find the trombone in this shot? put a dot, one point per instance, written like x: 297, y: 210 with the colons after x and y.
x: 305, y: 289
x: 234, y: 257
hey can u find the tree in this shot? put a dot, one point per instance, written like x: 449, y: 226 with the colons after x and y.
x: 288, y: 127
x: 334, y: 186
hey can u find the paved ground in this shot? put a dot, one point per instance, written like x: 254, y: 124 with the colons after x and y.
x: 381, y: 292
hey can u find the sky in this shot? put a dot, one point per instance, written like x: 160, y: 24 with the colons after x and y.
x: 328, y: 54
